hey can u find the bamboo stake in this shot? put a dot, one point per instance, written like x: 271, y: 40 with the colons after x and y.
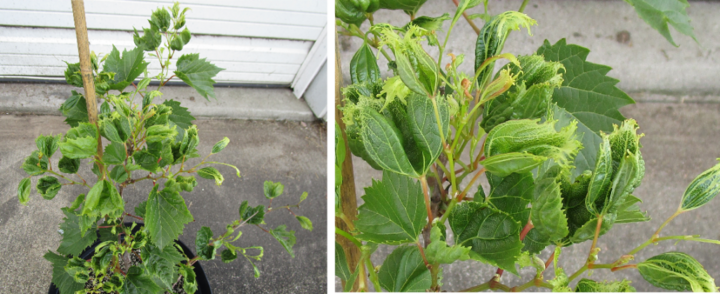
x: 347, y: 189
x: 78, y: 8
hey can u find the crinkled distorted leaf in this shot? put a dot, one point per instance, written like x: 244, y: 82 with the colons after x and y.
x: 189, y: 282
x: 702, y: 189
x: 47, y: 144
x: 659, y: 13
x: 69, y: 165
x: 204, y: 248
x: 228, y: 255
x: 363, y: 66
x: 404, y: 271
x: 160, y: 133
x: 35, y: 164
x: 103, y: 199
x: 48, y: 187
x: 409, y: 6
x: 72, y: 74
x: 252, y: 215
x: 62, y: 280
x: 126, y: 68
x: 547, y: 214
x: 342, y: 270
x: 137, y: 282
x: 272, y: 189
x: 502, y: 165
x: 285, y: 237
x: 601, y: 179
x: 493, y: 235
x: 393, y: 211
x: 428, y: 23
x: 626, y: 178
x: 220, y: 145
x: 73, y: 243
x: 74, y: 109
x: 348, y: 12
x: 166, y: 216
x: 438, y: 252
x: 587, y: 95
x: 187, y: 183
x: 80, y: 142
x: 492, y: 36
x: 677, y: 271
x: 24, y: 190
x: 197, y: 73
x: 587, y: 285
x: 305, y: 223
x: 212, y: 174
x: 150, y: 40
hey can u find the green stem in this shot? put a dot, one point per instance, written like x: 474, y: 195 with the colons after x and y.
x: 373, y: 275
x: 348, y: 236
x: 667, y: 221
x: 578, y: 273
x: 522, y: 6
x: 71, y: 181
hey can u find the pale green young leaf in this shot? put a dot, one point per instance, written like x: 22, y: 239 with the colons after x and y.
x: 363, y: 66
x: 126, y: 68
x: 166, y: 216
x: 601, y: 179
x: 677, y: 271
x: 103, y: 199
x: 404, y: 271
x: 629, y: 212
x: 502, y: 165
x: 189, y: 281
x: 80, y: 141
x: 220, y: 145
x: 438, y: 252
x: 305, y: 223
x: 285, y: 237
x: 493, y: 235
x: 587, y: 231
x: 197, y: 73
x: 212, y: 174
x: 272, y: 189
x: 303, y: 196
x: 659, y: 13
x: 393, y: 211
x: 492, y: 36
x: 24, y: 191
x: 702, y: 189
x: 624, y: 181
x: 62, y: 280
x: 587, y: 285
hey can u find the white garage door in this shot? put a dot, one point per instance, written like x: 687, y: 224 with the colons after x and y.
x: 256, y: 41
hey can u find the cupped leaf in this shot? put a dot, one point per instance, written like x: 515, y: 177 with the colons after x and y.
x: 212, y: 174
x: 393, y: 211
x: 348, y: 12
x: 677, y: 271
x: 166, y: 216
x: 205, y: 249
x: 409, y: 6
x: 272, y: 189
x: 659, y: 13
x: 74, y: 109
x: 72, y: 74
x: 363, y: 66
x: 69, y: 165
x: 47, y: 144
x: 305, y: 223
x: 220, y: 145
x: 48, y: 187
x: 150, y: 40
x: 103, y: 199
x: 702, y: 189
x: 587, y: 285
x: 601, y: 180
x: 126, y: 68
x: 252, y: 215
x: 439, y: 252
x: 285, y: 237
x: 35, y: 164
x: 404, y: 271
x: 24, y: 191
x: 80, y: 141
x: 493, y: 235
x: 491, y: 39
x: 197, y: 73
x: 502, y: 165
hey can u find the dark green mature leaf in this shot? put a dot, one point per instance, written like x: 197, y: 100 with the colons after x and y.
x: 197, y: 73
x: 659, y: 13
x: 393, y: 211
x: 426, y: 130
x: 346, y: 11
x: 272, y: 189
x: 47, y: 144
x: 62, y: 280
x: 547, y: 214
x: 677, y: 271
x: 126, y: 68
x: 166, y: 216
x: 34, y: 164
x: 118, y: 174
x: 69, y: 165
x: 285, y: 237
x: 75, y: 109
x: 409, y: 6
x: 702, y: 189
x: 161, y: 269
x: 493, y: 235
x: 220, y: 145
x: 103, y: 199
x: 227, y: 255
x: 48, y: 187
x: 512, y: 194
x: 24, y: 191
x: 586, y: 95
x: 73, y: 243
x: 204, y: 248
x: 363, y: 66
x: 404, y: 271
x: 383, y: 144
x: 137, y: 282
x: 535, y: 242
x: 211, y: 173
x: 438, y: 252
x: 342, y: 270
x: 252, y: 215
x: 587, y: 285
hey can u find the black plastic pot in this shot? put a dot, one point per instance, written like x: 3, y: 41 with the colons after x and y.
x: 202, y: 281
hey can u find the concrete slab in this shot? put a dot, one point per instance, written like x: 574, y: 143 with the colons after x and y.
x: 290, y: 152
x: 231, y: 103
x: 680, y: 142
x: 644, y: 61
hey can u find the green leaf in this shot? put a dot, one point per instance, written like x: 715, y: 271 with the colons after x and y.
x: 383, y: 144
x: 305, y: 223
x: 702, y: 189
x: 535, y: 242
x: 491, y: 39
x: 166, y: 216
x: 212, y: 174
x: 103, y: 199
x: 203, y: 246
x: 69, y: 165
x: 72, y: 74
x: 24, y: 191
x: 48, y: 187
x: 219, y: 146
x: 587, y: 95
x: 160, y: 133
x: 429, y: 23
x: 186, y: 147
x: 252, y: 215
x: 80, y: 142
x: 438, y: 252
x: 587, y: 231
x: 228, y: 255
x: 409, y: 6
x: 187, y: 183
x: 189, y: 282
x: 150, y: 40
x: 404, y: 271
x: 47, y: 144
x: 659, y: 13
x: 363, y: 66
x: 342, y: 270
x: 346, y: 11
x: 393, y: 211
x: 303, y: 196
x: 141, y: 209
x: 35, y: 164
x: 126, y: 68
x: 629, y: 211
x: 115, y: 153
x: 285, y: 237
x: 547, y: 214
x: 502, y: 165
x: 272, y: 190
x: 137, y: 282
x: 512, y: 194
x: 73, y: 242
x: 62, y: 280
x: 74, y: 109
x: 587, y: 285
x: 626, y: 178
x: 118, y: 174
x: 197, y: 73
x: 601, y: 180
x: 492, y: 234
x: 426, y: 129
x: 676, y: 271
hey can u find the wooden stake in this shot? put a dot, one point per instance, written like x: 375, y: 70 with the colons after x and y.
x: 347, y: 189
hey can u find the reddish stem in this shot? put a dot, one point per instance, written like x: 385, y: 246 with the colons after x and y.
x: 422, y: 253
x: 526, y: 229
x: 618, y: 268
